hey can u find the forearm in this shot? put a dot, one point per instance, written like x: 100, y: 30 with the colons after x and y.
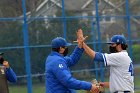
x: 105, y: 84
x: 77, y: 84
x: 67, y: 80
x: 74, y: 57
x: 11, y: 76
x: 89, y: 51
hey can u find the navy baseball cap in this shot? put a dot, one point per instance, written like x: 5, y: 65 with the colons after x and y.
x: 118, y: 39
x: 59, y: 42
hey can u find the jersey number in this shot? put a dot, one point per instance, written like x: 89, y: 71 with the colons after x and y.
x: 131, y: 69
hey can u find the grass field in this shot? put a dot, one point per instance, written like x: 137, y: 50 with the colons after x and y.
x: 37, y: 88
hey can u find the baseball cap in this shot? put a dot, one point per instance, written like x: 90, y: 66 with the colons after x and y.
x: 59, y: 42
x: 118, y: 39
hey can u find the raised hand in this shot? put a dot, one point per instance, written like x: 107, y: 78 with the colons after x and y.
x: 80, y: 37
x: 80, y: 34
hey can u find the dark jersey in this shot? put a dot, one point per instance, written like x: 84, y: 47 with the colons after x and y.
x: 3, y: 81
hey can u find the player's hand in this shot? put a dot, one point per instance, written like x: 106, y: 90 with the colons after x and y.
x: 102, y: 84
x: 79, y: 34
x: 97, y: 85
x: 6, y: 64
x: 80, y: 37
x: 95, y: 89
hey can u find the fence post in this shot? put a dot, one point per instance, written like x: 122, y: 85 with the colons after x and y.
x: 99, y: 40
x: 64, y: 19
x: 26, y: 49
x: 128, y: 28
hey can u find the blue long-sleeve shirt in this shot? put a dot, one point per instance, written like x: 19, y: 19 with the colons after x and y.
x: 58, y: 76
x: 10, y: 75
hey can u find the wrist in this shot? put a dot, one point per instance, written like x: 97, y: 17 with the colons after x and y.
x: 102, y: 84
x: 80, y: 45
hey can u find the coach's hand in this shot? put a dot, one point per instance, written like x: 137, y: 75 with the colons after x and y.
x: 80, y: 36
x: 94, y: 89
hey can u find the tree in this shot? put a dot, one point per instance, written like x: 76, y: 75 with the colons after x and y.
x: 136, y: 53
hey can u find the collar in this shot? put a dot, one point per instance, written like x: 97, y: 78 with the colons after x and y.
x: 55, y: 53
x: 123, y: 51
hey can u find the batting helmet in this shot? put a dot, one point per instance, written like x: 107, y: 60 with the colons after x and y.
x: 59, y: 42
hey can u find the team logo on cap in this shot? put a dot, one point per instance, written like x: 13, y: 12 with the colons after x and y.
x: 118, y: 40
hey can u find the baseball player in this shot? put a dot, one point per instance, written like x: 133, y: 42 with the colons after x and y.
x: 121, y: 67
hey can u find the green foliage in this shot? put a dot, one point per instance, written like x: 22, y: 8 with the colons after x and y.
x: 136, y: 53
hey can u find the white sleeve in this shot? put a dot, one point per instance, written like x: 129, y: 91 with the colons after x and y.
x: 112, y: 59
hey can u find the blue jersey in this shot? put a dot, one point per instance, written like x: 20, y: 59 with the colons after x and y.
x: 58, y: 76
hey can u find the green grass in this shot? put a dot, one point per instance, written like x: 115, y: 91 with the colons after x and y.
x: 18, y: 89
x: 40, y: 88
x: 37, y: 88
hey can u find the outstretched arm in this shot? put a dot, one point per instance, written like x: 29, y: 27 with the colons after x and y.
x: 74, y: 57
x: 104, y: 84
x: 80, y: 40
x: 94, y: 55
x: 68, y: 81
x: 89, y: 51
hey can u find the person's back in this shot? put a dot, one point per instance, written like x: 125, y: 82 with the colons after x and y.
x: 52, y: 83
x: 3, y: 81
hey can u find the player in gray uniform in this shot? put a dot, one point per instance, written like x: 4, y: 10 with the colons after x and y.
x: 121, y: 67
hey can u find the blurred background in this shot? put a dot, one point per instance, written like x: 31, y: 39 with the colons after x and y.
x: 28, y: 26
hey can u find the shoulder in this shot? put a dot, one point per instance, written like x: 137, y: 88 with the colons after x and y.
x: 122, y: 55
x: 115, y: 55
x: 54, y: 58
x: 58, y: 62
x: 58, y: 65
